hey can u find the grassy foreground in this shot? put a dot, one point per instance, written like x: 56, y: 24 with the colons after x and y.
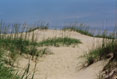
x: 10, y: 49
x: 13, y: 44
x: 5, y: 72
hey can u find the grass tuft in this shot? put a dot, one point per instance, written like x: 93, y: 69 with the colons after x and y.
x: 5, y: 72
x: 85, y: 30
x: 102, y: 52
x: 59, y: 41
x: 44, y: 27
x: 81, y: 29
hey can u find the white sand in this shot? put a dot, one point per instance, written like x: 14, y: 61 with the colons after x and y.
x: 65, y: 62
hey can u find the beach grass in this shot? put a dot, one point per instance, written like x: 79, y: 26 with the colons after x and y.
x: 86, y: 30
x: 14, y: 43
x: 80, y: 29
x: 6, y: 72
x: 65, y: 41
x: 108, y: 50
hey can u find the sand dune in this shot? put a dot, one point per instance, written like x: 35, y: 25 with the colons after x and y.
x: 65, y: 62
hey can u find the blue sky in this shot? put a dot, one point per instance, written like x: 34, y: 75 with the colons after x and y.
x: 95, y: 13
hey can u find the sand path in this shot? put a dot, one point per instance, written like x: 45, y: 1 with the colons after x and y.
x: 65, y: 62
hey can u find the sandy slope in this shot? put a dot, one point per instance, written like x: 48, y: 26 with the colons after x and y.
x: 65, y: 62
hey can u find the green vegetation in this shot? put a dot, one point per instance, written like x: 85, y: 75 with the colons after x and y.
x: 105, y: 35
x: 18, y: 44
x: 5, y: 72
x: 81, y: 29
x: 14, y: 43
x: 59, y: 41
x: 85, y: 30
x: 108, y: 50
x: 102, y: 52
x: 40, y: 27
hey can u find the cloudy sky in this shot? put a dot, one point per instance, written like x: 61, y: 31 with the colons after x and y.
x: 95, y: 13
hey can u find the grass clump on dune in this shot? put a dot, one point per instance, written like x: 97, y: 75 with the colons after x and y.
x: 108, y: 50
x: 85, y: 30
x: 59, y: 41
x: 5, y: 72
x: 81, y: 29
x: 36, y: 28
x: 18, y: 44
x: 39, y: 27
x: 14, y: 43
x: 102, y: 52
